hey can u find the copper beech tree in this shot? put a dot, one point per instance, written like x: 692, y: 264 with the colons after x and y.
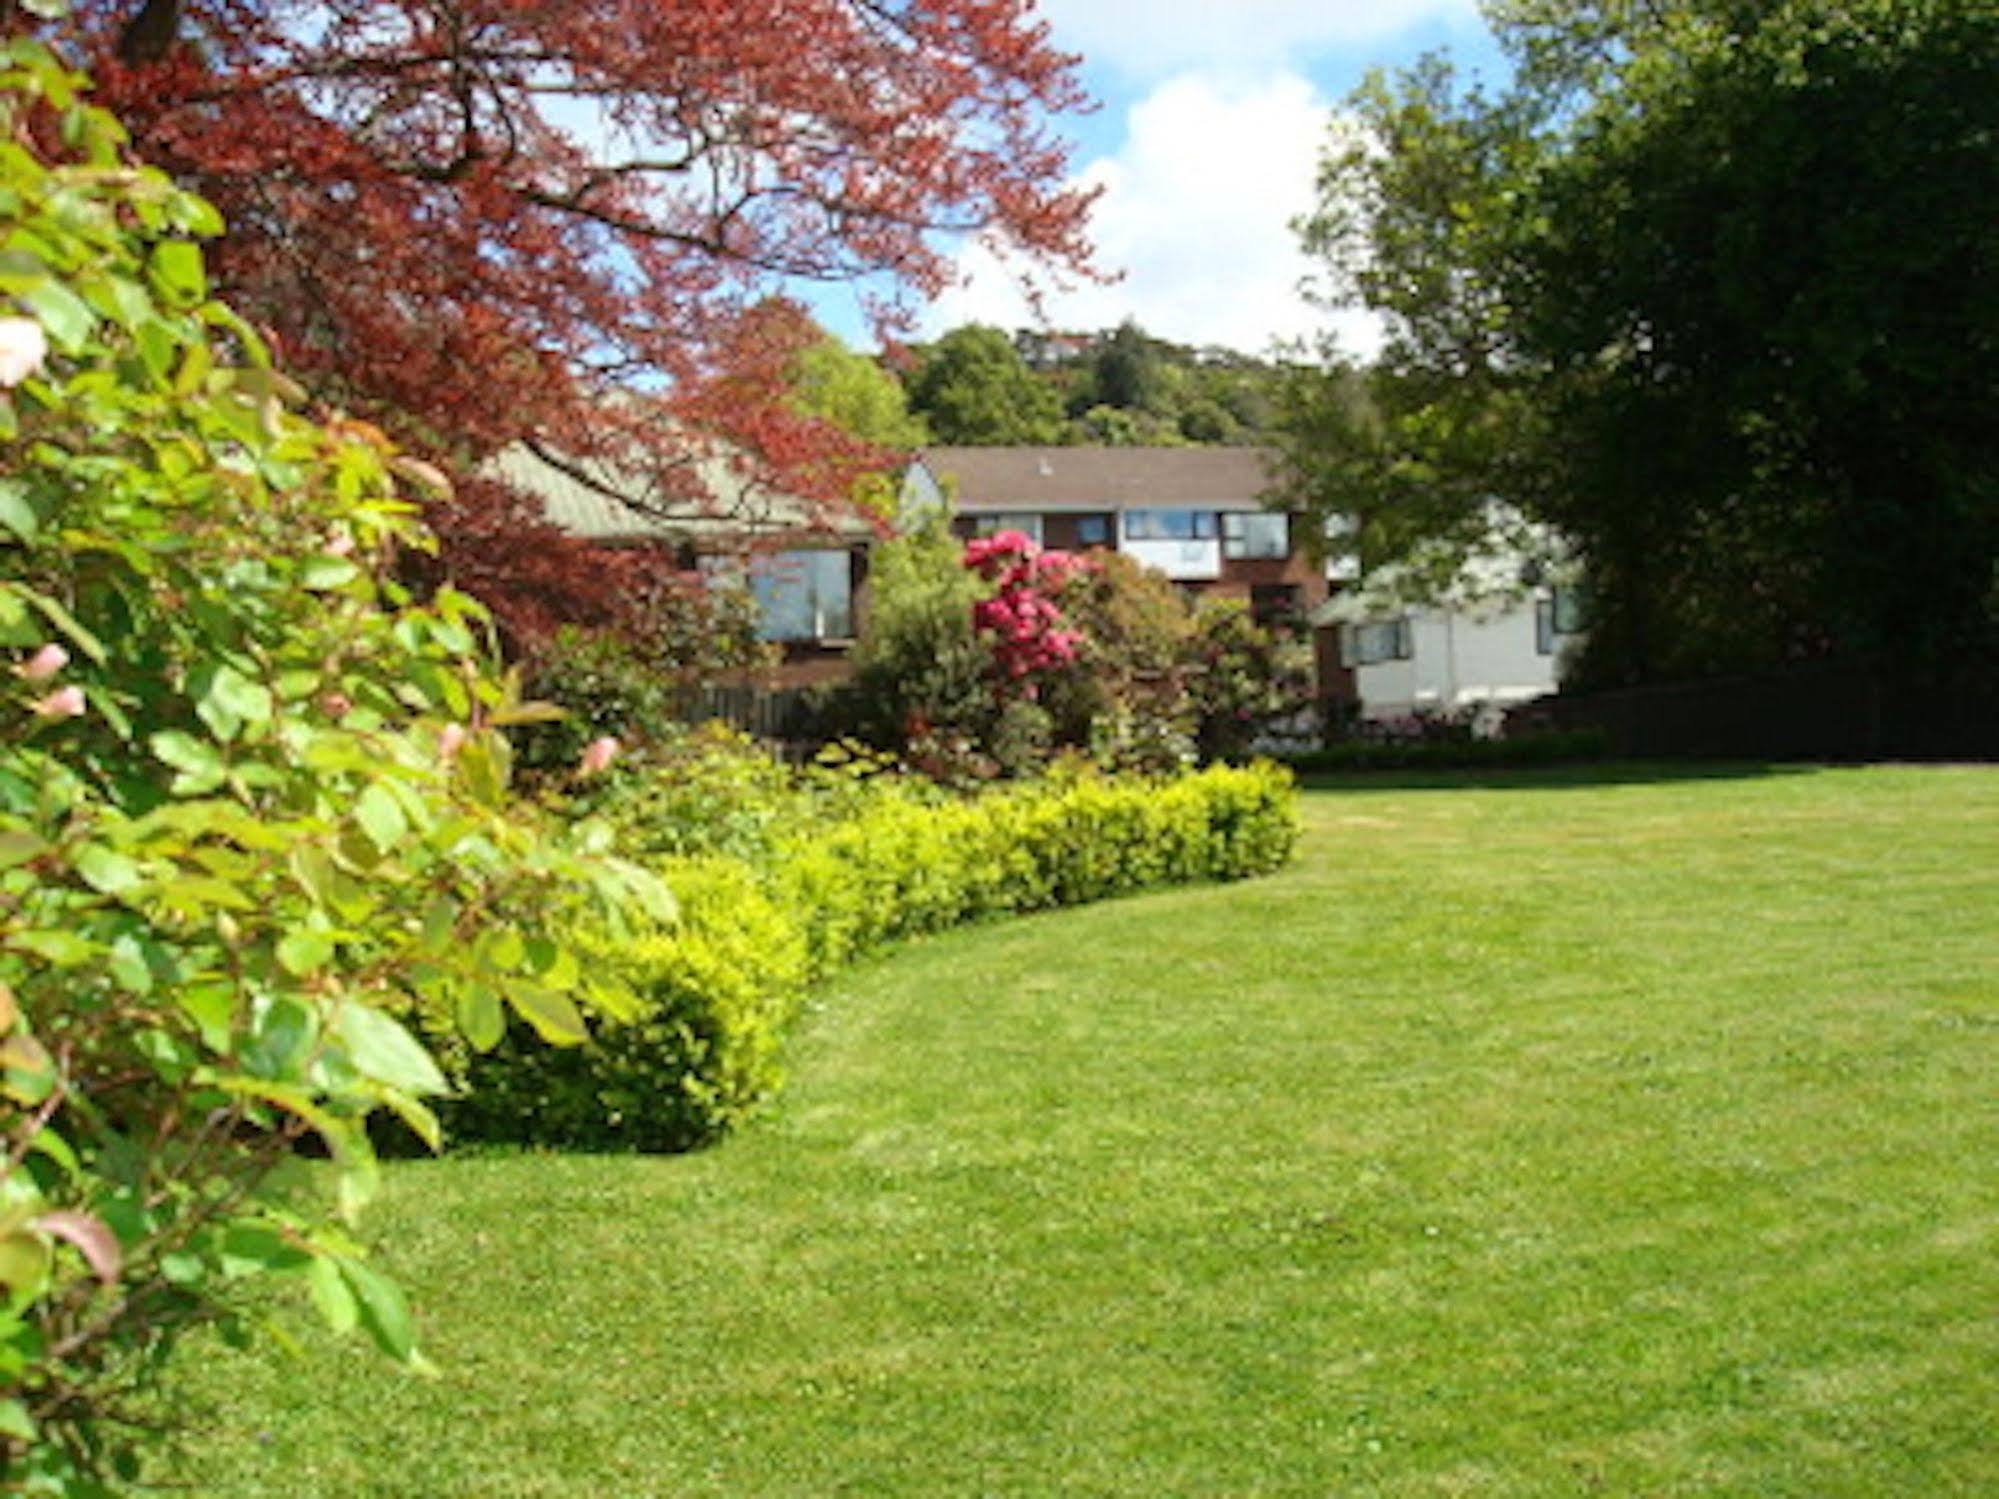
x: 488, y: 221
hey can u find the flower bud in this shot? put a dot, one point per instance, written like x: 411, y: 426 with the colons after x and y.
x: 450, y: 740
x: 335, y: 705
x: 23, y: 347
x: 64, y: 702
x: 45, y: 663
x: 599, y: 755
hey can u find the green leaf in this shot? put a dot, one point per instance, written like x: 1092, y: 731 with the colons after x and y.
x: 199, y: 761
x: 383, y: 1310
x: 14, y: 1418
x: 105, y: 871
x: 481, y: 1018
x: 554, y: 1016
x: 252, y: 1249
x: 177, y: 272
x: 322, y: 574
x: 65, y: 315
x: 212, y: 1008
x: 305, y: 950
x: 228, y: 700
x: 335, y: 1302
x: 280, y: 1042
x: 62, y: 949
x: 381, y: 817
x: 18, y: 846
x: 384, y: 1050
x: 16, y: 514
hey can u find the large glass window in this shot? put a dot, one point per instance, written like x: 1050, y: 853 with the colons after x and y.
x: 1378, y: 641
x: 1558, y: 615
x: 1249, y: 535
x: 804, y: 596
x: 1169, y: 525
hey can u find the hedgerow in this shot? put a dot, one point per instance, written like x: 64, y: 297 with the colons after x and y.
x: 846, y: 866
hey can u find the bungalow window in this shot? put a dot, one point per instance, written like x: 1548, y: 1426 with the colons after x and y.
x: 1093, y: 530
x: 804, y: 596
x: 1169, y: 525
x: 1377, y: 641
x: 1555, y: 616
x: 1253, y: 535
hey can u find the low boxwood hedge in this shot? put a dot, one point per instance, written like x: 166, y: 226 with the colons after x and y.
x: 887, y: 863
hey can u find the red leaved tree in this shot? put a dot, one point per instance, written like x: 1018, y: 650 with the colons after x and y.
x: 477, y: 220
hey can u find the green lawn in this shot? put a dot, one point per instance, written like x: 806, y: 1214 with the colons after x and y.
x: 1593, y: 1134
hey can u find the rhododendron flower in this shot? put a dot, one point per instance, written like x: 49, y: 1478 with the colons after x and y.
x: 64, y: 702
x: 450, y: 740
x: 599, y: 754
x: 45, y: 663
x: 23, y: 348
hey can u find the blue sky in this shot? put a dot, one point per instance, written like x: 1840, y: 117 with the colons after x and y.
x: 1212, y: 114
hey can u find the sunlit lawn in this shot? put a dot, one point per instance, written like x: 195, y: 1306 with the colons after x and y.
x: 1605, y: 1135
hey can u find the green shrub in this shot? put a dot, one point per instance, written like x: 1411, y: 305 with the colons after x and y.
x: 688, y: 1061
x: 854, y: 863
x: 1452, y: 754
x: 254, y: 810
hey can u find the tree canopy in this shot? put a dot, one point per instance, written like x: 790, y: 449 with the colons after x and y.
x: 474, y: 220
x: 1710, y: 289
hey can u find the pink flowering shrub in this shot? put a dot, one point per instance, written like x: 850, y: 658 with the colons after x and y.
x: 1021, y: 619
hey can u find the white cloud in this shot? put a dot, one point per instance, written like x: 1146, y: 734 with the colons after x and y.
x: 1162, y: 36
x: 1196, y: 212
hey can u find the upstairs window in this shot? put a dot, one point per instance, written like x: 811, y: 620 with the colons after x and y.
x: 1255, y: 535
x: 1169, y: 525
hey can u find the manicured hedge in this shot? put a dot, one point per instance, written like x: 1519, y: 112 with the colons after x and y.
x: 888, y: 861
x: 1451, y: 754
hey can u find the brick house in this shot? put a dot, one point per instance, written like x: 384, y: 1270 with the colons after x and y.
x: 1194, y: 514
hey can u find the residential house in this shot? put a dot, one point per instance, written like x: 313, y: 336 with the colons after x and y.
x: 808, y: 575
x: 1192, y: 513
x: 1495, y: 636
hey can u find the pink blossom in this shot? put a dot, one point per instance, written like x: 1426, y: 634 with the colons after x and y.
x: 44, y: 664
x: 341, y: 545
x: 336, y: 704
x: 64, y: 702
x: 23, y: 348
x: 450, y: 740
x: 599, y: 754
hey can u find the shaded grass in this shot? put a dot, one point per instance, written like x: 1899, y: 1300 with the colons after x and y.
x: 1639, y: 1139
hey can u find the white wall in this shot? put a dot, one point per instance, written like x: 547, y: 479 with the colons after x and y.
x: 1459, y: 657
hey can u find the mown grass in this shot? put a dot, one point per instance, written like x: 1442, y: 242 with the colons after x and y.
x: 1577, y: 1132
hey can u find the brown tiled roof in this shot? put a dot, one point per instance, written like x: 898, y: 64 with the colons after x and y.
x: 1102, y: 478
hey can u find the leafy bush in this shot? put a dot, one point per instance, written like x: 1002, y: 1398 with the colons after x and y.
x: 253, y: 809
x: 855, y: 863
x: 1452, y: 753
x: 699, y: 1048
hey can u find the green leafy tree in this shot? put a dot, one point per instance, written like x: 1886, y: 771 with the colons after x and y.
x: 1709, y: 290
x: 255, y: 830
x: 971, y: 388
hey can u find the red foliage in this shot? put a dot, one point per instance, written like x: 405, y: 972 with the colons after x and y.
x: 473, y: 220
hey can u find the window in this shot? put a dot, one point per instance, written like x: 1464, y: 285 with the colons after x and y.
x: 804, y: 596
x: 1093, y: 530
x: 1559, y: 614
x: 1277, y: 605
x: 1373, y: 643
x: 1249, y: 535
x: 1169, y: 525
x: 974, y: 524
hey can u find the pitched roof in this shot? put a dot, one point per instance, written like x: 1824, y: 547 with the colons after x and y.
x: 586, y: 511
x: 1102, y: 478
